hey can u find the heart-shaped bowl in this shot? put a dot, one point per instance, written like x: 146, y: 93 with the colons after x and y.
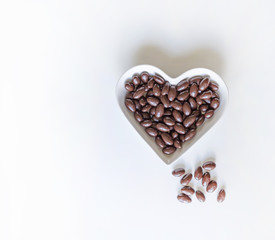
x: 121, y: 93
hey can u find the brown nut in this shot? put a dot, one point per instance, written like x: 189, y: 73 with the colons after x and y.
x: 167, y: 139
x: 204, y: 84
x: 182, y: 85
x: 188, y: 190
x: 209, y: 165
x: 184, y: 198
x: 186, y: 179
x: 198, y: 173
x: 151, y: 132
x: 205, y: 179
x: 172, y: 94
x: 200, y: 196
x: 178, y: 172
x: 221, y: 196
x: 212, y: 186
x: 130, y: 105
x: 160, y: 142
x: 168, y: 150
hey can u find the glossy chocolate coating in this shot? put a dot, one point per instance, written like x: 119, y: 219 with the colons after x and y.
x: 171, y: 113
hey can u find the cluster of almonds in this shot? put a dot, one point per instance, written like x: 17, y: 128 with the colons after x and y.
x: 187, y: 191
x: 171, y: 113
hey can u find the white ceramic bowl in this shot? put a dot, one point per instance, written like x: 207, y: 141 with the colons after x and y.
x: 121, y: 92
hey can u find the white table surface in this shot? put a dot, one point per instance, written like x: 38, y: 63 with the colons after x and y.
x: 72, y: 167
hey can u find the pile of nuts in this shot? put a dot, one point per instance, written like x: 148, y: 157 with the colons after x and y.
x: 205, y: 177
x: 171, y: 113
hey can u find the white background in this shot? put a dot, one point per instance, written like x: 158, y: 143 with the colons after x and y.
x: 72, y: 167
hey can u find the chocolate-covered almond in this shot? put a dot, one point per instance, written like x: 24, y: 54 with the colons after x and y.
x: 186, y: 109
x: 214, y: 86
x: 165, y: 101
x: 153, y: 101
x: 130, y: 105
x: 200, y: 120
x: 182, y: 85
x: 215, y: 103
x: 183, y: 96
x: 138, y: 116
x: 206, y: 95
x: 167, y: 139
x: 182, y: 138
x: 150, y: 83
x: 168, y: 150
x: 194, y: 90
x: 136, y: 80
x: 204, y: 83
x: 129, y: 86
x: 142, y: 101
x: 176, y: 105
x: 159, y: 79
x: 172, y: 94
x: 177, y: 116
x: 146, y: 108
x: 212, y: 186
x: 209, y: 165
x: 177, y: 143
x: 151, y: 132
x: 156, y: 90
x: 221, y: 196
x: 198, y: 173
x: 146, y: 123
x: 203, y: 108
x: 186, y: 179
x: 205, y: 179
x: 199, y: 101
x: 153, y: 111
x: 165, y: 88
x: 144, y: 77
x: 187, y: 190
x: 190, y: 134
x: 174, y: 134
x: 178, y: 172
x: 169, y: 121
x: 193, y: 103
x: 200, y: 196
x: 189, y: 121
x: 139, y: 93
x: 209, y: 113
x: 184, y: 198
x: 138, y: 106
x: 179, y: 128
x: 160, y: 142
x: 159, y: 110
x: 162, y: 127
x: 195, y: 79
